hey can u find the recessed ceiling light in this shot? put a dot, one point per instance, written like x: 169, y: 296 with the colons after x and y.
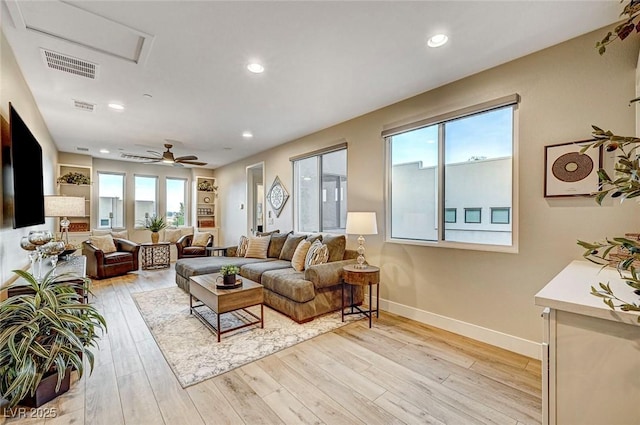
x: 227, y: 149
x: 256, y: 68
x: 116, y: 106
x: 104, y: 150
x: 247, y: 134
x: 437, y: 40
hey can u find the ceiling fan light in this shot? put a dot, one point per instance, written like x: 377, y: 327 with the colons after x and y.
x: 167, y: 161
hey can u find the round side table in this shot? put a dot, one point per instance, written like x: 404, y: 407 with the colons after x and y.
x: 360, y: 277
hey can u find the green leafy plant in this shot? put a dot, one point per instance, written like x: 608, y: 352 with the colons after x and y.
x: 74, y: 178
x: 207, y: 186
x: 620, y: 252
x: 45, y: 332
x: 228, y: 270
x: 625, y: 28
x: 155, y: 223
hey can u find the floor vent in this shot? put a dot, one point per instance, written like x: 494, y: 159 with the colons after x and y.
x: 84, y: 106
x: 70, y: 64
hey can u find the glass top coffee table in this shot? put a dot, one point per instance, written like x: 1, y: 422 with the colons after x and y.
x: 203, y: 289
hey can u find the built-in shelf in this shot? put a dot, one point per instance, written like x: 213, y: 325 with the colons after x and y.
x: 80, y: 224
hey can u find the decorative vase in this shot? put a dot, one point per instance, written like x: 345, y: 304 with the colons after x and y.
x: 154, y: 237
x: 229, y: 279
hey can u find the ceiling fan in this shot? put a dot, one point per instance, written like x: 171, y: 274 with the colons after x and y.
x: 166, y: 157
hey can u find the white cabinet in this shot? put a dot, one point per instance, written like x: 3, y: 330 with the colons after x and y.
x: 591, y: 372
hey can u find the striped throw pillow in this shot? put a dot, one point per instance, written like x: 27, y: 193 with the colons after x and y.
x: 299, y: 255
x: 318, y: 254
x: 258, y: 247
x: 242, y: 246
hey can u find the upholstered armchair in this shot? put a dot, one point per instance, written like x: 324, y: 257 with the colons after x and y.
x: 101, y: 265
x: 187, y: 250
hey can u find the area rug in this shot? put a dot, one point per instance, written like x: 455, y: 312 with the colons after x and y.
x: 192, y: 350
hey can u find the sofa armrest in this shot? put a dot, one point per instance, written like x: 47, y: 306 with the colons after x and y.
x: 328, y: 274
x: 126, y: 245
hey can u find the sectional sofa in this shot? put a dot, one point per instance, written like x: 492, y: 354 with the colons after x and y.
x: 301, y: 295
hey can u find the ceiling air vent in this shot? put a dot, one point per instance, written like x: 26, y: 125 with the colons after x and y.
x: 69, y: 64
x: 84, y: 106
x: 78, y: 148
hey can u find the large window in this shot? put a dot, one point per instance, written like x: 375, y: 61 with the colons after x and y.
x: 461, y: 160
x: 110, y: 200
x: 176, y: 201
x: 145, y: 206
x: 320, y: 191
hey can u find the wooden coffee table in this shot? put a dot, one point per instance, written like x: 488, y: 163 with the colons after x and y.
x: 203, y: 289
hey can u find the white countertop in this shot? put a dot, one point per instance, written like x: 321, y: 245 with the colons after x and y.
x: 570, y: 291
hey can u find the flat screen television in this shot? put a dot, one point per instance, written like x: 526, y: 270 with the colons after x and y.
x: 22, y: 174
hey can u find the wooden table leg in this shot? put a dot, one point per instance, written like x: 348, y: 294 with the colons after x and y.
x: 370, y: 305
x: 218, y: 319
x: 342, y: 302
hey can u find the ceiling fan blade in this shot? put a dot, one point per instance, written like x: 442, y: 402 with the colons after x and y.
x: 192, y: 162
x: 177, y: 164
x: 145, y: 158
x: 187, y: 158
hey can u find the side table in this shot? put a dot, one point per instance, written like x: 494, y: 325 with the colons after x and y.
x: 359, y: 277
x: 155, y: 255
x: 213, y: 251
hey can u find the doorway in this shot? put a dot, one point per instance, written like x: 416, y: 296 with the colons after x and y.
x: 255, y: 198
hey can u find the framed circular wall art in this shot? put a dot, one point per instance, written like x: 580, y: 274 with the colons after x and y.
x: 569, y: 172
x: 277, y: 196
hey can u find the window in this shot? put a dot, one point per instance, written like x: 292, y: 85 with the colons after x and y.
x: 145, y: 199
x: 111, y: 200
x: 473, y: 215
x: 500, y: 215
x: 440, y: 164
x: 176, y: 201
x: 450, y: 215
x: 320, y: 190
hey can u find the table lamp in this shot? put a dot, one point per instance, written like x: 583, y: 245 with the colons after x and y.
x: 64, y: 206
x: 361, y: 223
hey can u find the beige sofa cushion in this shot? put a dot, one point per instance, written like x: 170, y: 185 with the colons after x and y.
x: 200, y: 239
x: 104, y: 243
x: 290, y: 246
x: 258, y: 247
x: 299, y: 255
x: 318, y: 254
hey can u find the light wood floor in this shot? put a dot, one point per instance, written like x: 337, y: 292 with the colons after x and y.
x: 398, y: 372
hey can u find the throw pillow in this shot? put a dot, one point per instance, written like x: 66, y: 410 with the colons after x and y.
x: 276, y: 244
x: 242, y: 246
x: 299, y: 255
x: 122, y: 234
x: 258, y: 247
x: 104, y: 243
x: 100, y: 232
x: 172, y: 235
x: 318, y: 254
x: 290, y: 246
x: 200, y: 239
x: 314, y: 237
x: 273, y: 232
x: 336, y: 245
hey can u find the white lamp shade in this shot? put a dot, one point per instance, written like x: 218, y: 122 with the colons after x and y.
x: 64, y: 206
x: 361, y: 223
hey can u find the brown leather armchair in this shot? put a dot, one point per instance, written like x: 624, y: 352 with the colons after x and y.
x: 101, y: 265
x: 185, y: 250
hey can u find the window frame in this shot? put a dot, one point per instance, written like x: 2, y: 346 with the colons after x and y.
x: 124, y: 205
x: 424, y: 121
x: 187, y: 210
x: 343, y: 196
x: 507, y: 209
x: 473, y: 209
x: 139, y: 225
x: 455, y: 215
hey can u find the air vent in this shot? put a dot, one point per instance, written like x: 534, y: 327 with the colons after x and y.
x: 78, y: 148
x: 70, y: 64
x: 84, y: 106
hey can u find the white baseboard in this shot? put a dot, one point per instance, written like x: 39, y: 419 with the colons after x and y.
x: 508, y: 342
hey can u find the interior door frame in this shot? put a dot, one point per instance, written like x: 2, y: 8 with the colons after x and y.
x: 251, y: 196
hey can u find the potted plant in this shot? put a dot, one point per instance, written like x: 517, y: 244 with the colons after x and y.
x: 44, y: 334
x: 155, y: 224
x: 229, y: 273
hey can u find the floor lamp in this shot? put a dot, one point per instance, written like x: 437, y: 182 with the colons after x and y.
x: 361, y: 223
x: 64, y: 207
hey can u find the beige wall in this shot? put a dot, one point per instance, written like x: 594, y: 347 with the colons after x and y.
x: 564, y: 89
x: 14, y: 89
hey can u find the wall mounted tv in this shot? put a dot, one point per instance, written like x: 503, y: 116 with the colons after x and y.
x: 22, y: 174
